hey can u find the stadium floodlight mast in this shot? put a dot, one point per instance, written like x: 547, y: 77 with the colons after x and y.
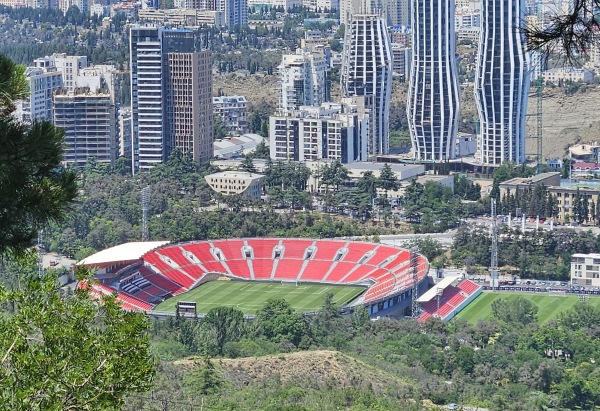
x: 494, y: 248
x: 414, y: 265
x: 145, y: 208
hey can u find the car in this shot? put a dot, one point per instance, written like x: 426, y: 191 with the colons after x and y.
x: 53, y: 263
x: 452, y: 406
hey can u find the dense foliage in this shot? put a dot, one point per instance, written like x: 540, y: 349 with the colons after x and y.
x: 509, y: 362
x: 537, y: 254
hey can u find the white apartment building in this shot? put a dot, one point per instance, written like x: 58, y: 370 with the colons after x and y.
x: 232, y: 112
x: 302, y: 80
x: 502, y: 82
x: 434, y: 94
x: 331, y: 131
x: 321, y: 5
x: 42, y: 84
x: 367, y: 71
x: 147, y: 97
x: 68, y: 66
x: 236, y: 183
x: 585, y: 270
x: 568, y: 74
x: 402, y: 60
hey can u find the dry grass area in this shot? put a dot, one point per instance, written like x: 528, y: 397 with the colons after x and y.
x: 313, y: 368
x: 566, y: 120
x: 255, y: 87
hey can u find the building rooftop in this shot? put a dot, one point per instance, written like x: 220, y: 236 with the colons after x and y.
x: 530, y: 180
x: 239, y: 175
x: 122, y: 252
x: 232, y: 145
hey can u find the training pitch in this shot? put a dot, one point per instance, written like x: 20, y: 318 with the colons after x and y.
x: 251, y: 296
x: 549, y: 306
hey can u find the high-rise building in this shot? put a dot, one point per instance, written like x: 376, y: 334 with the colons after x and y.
x: 235, y: 12
x: 502, y: 82
x: 395, y: 12
x: 189, y: 103
x: 171, y: 96
x: 434, y: 94
x: 331, y: 131
x: 89, y: 122
x: 367, y: 71
x: 302, y: 80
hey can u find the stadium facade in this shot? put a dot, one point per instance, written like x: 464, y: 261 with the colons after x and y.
x: 433, y: 95
x: 145, y: 274
x: 502, y: 82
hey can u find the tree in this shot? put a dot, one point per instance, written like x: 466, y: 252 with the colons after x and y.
x: 228, y: 324
x: 219, y: 129
x: 278, y: 322
x: 69, y: 351
x: 569, y: 33
x: 387, y: 179
x: 34, y: 189
x: 248, y: 165
x: 427, y: 246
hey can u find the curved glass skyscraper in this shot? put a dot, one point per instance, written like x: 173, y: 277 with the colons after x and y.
x: 433, y: 97
x: 367, y: 71
x: 502, y: 82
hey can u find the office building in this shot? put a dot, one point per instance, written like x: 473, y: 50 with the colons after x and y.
x: 232, y: 112
x: 171, y: 96
x: 331, y: 131
x: 434, y: 94
x: 302, y: 80
x: 89, y: 122
x: 367, y: 71
x: 502, y: 82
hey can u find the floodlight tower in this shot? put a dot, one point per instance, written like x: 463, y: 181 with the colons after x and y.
x: 145, y: 208
x: 494, y: 247
x: 414, y: 266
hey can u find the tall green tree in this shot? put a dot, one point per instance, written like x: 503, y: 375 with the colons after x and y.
x: 34, y: 189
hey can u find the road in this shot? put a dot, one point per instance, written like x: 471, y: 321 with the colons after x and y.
x: 398, y: 240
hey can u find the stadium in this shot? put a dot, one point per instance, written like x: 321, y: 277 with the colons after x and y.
x: 159, y: 277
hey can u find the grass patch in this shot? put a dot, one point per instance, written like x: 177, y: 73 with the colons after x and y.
x: 249, y: 296
x: 549, y: 306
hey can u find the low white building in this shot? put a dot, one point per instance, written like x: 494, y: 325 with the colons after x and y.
x: 232, y: 112
x: 236, y: 183
x: 569, y: 74
x: 585, y: 270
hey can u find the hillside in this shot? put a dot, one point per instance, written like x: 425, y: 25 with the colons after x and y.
x: 566, y: 120
x: 318, y: 367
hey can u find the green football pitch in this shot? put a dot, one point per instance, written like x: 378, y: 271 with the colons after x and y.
x: 251, y: 296
x: 549, y: 306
